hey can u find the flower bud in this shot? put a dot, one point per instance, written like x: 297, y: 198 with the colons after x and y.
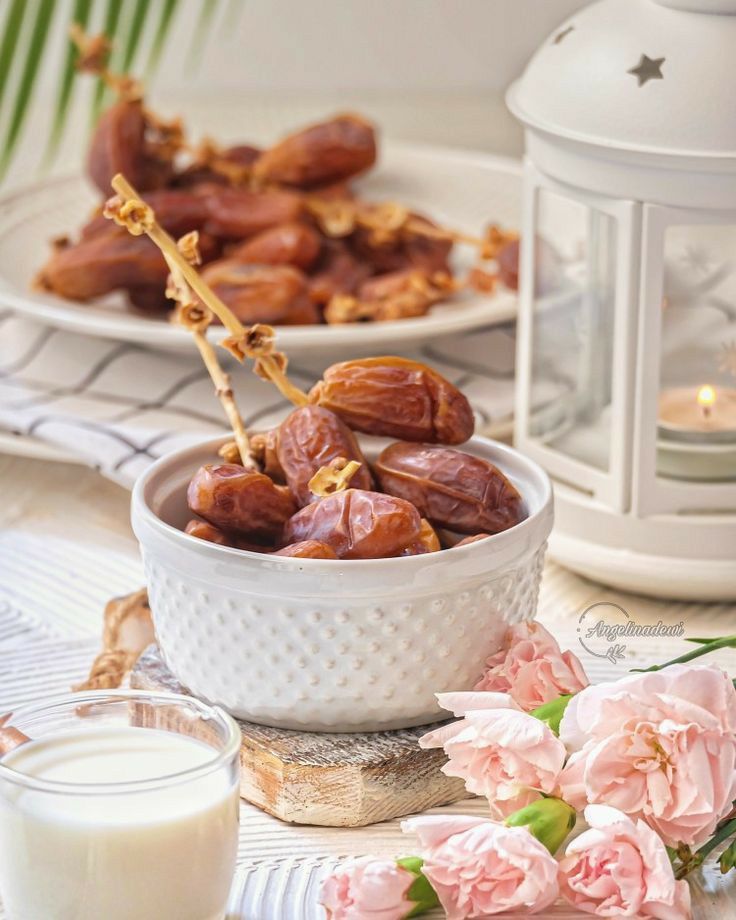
x: 728, y: 858
x: 368, y: 886
x: 421, y: 892
x: 550, y: 820
x: 552, y: 712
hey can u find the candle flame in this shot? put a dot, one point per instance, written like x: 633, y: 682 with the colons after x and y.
x: 706, y: 396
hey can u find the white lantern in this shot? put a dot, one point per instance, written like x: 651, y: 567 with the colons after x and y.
x: 626, y: 365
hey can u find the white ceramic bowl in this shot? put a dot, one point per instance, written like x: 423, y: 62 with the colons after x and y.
x: 326, y: 645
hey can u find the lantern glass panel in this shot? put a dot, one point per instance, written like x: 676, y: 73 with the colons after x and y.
x: 572, y: 335
x: 697, y: 398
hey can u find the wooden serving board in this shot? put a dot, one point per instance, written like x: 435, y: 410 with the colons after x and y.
x: 341, y: 780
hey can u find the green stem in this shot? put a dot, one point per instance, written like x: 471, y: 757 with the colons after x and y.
x: 699, y: 856
x: 704, y: 649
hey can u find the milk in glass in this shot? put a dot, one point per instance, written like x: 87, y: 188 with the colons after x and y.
x: 164, y: 853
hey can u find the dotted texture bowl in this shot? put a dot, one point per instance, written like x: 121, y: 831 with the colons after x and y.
x: 326, y: 645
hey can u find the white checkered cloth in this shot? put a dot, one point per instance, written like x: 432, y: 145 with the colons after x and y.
x: 121, y: 406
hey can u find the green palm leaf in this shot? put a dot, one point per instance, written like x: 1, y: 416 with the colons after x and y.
x: 112, y: 17
x: 164, y: 24
x: 13, y: 23
x: 80, y: 14
x: 44, y: 11
x: 232, y: 16
x: 26, y: 28
x: 200, y: 33
x: 134, y: 33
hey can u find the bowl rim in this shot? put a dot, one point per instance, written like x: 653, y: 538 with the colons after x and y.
x: 141, y: 510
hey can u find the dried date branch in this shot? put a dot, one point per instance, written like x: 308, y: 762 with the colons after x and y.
x: 137, y: 217
x: 255, y: 342
x: 108, y: 670
x: 420, y: 291
x: 196, y: 319
x: 94, y: 51
x: 128, y: 630
x: 389, y: 220
x: 210, y: 155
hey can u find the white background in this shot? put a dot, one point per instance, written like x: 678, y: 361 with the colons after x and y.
x: 432, y: 70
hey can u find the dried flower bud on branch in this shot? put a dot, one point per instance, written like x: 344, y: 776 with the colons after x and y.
x: 94, y: 51
x: 389, y: 221
x: 256, y: 342
x: 335, y: 477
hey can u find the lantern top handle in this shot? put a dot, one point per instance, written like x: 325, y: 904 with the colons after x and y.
x: 650, y: 78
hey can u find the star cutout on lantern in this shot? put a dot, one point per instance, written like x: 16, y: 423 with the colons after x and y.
x: 696, y: 258
x: 647, y: 69
x: 561, y: 36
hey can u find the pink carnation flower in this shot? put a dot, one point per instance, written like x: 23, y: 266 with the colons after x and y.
x: 367, y: 889
x: 620, y: 868
x: 659, y: 746
x: 501, y: 753
x: 479, y: 867
x: 532, y: 669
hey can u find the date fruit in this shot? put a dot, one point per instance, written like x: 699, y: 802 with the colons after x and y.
x: 466, y: 541
x: 357, y: 524
x: 452, y: 489
x: 272, y: 294
x: 321, y: 154
x: 397, y: 398
x: 235, y: 499
x: 236, y: 213
x: 119, y: 145
x: 204, y: 531
x: 426, y: 542
x: 405, y: 251
x: 307, y: 549
x: 308, y: 439
x: 337, y: 272
x: 263, y: 446
x: 102, y: 262
x: 287, y: 244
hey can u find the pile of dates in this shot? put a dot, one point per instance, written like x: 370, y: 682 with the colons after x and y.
x: 272, y: 243
x: 422, y: 494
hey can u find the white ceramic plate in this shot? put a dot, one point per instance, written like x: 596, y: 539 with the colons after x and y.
x: 463, y: 190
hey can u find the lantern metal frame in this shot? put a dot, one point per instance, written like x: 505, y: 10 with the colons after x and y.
x: 627, y: 525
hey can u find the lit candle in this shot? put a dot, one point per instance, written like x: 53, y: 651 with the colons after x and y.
x: 697, y: 433
x: 698, y: 414
x: 706, y: 398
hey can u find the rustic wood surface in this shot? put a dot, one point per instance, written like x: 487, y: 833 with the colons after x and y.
x: 331, y: 780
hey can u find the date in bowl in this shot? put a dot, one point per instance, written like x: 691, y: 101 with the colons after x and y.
x: 334, y: 645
